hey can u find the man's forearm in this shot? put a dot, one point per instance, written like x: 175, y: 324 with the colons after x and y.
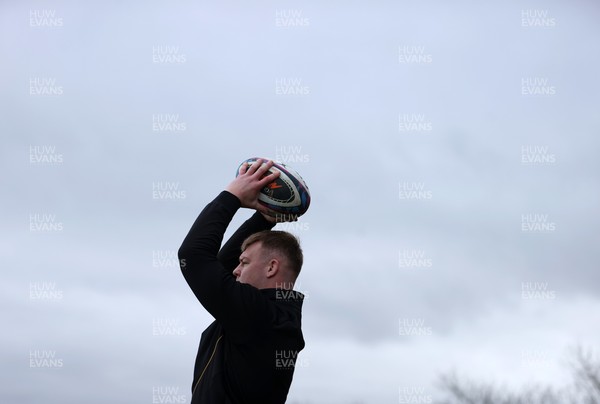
x: 230, y: 253
x: 204, y: 238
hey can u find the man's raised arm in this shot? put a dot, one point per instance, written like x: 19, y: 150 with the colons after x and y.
x: 208, y: 278
x: 198, y: 252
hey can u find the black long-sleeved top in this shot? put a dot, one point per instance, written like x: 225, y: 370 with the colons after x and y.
x: 247, y: 354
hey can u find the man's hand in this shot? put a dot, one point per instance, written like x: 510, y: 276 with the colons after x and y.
x: 250, y: 181
x: 275, y: 217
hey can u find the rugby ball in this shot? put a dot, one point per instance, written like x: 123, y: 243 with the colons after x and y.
x: 288, y: 194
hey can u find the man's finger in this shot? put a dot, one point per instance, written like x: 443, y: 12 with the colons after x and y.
x: 254, y: 167
x: 263, y: 168
x: 243, y: 168
x: 269, y: 178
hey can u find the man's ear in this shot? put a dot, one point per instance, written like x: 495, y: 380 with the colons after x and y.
x: 273, y: 267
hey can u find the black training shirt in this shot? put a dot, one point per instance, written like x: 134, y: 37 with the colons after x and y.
x: 247, y: 354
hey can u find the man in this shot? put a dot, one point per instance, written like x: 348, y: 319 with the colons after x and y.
x: 240, y: 355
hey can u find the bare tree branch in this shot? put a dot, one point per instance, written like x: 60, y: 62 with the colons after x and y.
x: 585, y: 388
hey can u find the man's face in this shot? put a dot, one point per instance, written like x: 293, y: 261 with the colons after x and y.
x: 253, y: 266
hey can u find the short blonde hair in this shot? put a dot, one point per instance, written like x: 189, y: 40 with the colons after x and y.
x: 281, y: 242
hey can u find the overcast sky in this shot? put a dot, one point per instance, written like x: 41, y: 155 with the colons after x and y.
x: 450, y: 150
